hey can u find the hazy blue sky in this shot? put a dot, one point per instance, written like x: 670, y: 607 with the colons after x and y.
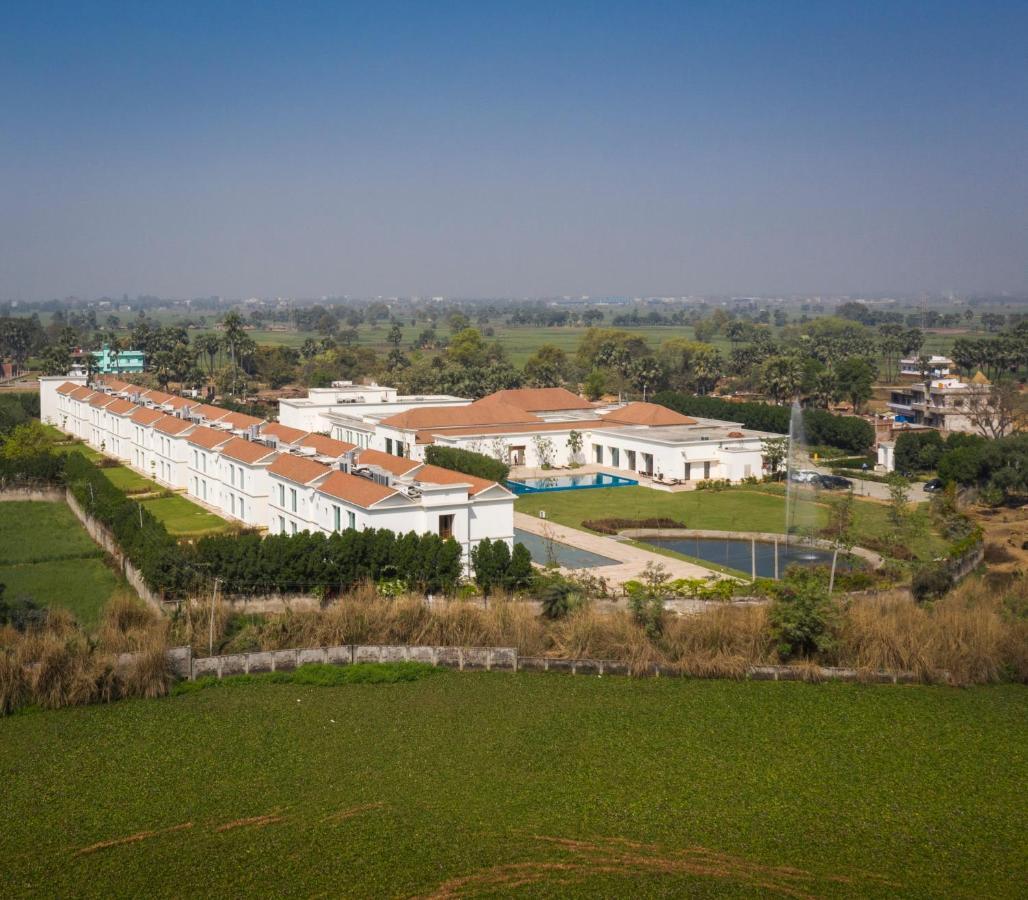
x: 186, y: 148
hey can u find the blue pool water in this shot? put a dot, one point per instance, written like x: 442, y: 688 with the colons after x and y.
x: 736, y: 554
x: 565, y: 555
x: 568, y: 483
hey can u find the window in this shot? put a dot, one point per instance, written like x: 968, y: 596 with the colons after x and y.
x: 598, y: 453
x: 706, y: 470
x: 281, y: 525
x: 688, y: 471
x: 232, y: 503
x: 292, y: 528
x: 351, y: 520
x: 282, y: 496
x: 446, y: 526
x: 337, y: 518
x: 389, y: 445
x: 195, y: 463
x: 292, y: 499
x: 630, y: 454
x: 615, y: 456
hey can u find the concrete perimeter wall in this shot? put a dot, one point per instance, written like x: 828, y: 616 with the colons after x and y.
x: 489, y: 659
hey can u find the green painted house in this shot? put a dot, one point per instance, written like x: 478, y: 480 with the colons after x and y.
x: 118, y: 362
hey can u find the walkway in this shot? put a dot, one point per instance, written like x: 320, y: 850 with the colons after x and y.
x: 631, y: 560
x: 876, y: 490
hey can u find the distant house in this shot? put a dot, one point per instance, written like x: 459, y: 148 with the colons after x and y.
x: 936, y: 367
x: 942, y: 403
x: 118, y: 362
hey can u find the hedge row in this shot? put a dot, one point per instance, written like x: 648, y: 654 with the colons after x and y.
x: 249, y: 564
x: 300, y: 563
x: 468, y: 462
x: 821, y: 427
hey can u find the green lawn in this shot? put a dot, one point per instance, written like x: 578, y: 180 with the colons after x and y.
x: 481, y: 784
x: 729, y: 510
x: 45, y: 554
x: 129, y: 481
x: 184, y: 518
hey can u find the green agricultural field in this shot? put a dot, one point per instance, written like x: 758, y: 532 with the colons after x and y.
x: 183, y: 518
x: 45, y: 554
x: 729, y: 510
x: 129, y: 481
x: 469, y: 785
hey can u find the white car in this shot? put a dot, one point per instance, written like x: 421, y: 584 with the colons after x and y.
x: 804, y: 476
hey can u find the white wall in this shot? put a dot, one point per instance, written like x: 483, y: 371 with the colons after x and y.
x: 49, y: 405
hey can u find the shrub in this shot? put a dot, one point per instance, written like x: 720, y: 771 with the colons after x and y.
x: 613, y: 526
x: 918, y: 451
x: 495, y: 566
x: 801, y: 616
x: 468, y: 462
x: 930, y: 582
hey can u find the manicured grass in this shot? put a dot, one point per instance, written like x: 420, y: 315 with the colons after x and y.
x: 127, y: 480
x: 738, y: 509
x: 46, y: 555
x: 523, y: 784
x: 184, y: 518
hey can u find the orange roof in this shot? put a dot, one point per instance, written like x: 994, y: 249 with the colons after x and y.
x: 354, y: 489
x: 101, y: 400
x: 540, y: 399
x: 158, y: 398
x: 67, y: 387
x: 172, y: 425
x: 326, y: 446
x: 284, y: 433
x: 438, y: 475
x: 398, y: 465
x: 211, y: 413
x: 116, y: 384
x: 208, y: 438
x: 146, y: 416
x: 122, y: 407
x: 180, y: 402
x: 240, y: 420
x: 246, y: 451
x: 297, y: 468
x: 428, y: 435
x: 646, y: 414
x: 481, y: 412
x: 81, y: 393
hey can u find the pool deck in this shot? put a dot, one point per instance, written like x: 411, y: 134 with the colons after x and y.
x: 630, y: 560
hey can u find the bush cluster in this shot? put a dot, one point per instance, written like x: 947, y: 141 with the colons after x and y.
x: 613, y: 526
x: 495, y: 566
x: 822, y: 427
x: 468, y: 462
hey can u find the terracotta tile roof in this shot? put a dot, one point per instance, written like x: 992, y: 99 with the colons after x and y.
x: 438, y: 475
x: 354, y: 489
x: 428, y: 435
x: 326, y: 446
x: 646, y: 414
x: 240, y: 421
x: 81, y: 393
x: 158, y: 398
x: 181, y: 402
x: 211, y: 413
x: 208, y: 438
x: 122, y: 407
x: 146, y: 416
x: 540, y: 399
x: 172, y: 425
x: 116, y: 384
x: 68, y: 387
x: 398, y: 465
x: 247, y: 451
x: 297, y: 469
x: 101, y: 400
x: 284, y: 433
x: 481, y: 412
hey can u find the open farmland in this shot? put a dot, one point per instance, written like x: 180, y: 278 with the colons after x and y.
x: 463, y: 785
x: 46, y: 555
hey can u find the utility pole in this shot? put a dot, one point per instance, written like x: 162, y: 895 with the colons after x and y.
x: 214, y: 602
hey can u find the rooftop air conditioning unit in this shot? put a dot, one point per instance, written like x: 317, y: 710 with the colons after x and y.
x: 253, y: 432
x: 271, y: 440
x: 413, y: 492
x: 382, y: 478
x: 306, y: 451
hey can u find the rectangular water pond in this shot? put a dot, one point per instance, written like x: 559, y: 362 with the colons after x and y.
x: 565, y: 555
x: 568, y: 483
x: 736, y: 554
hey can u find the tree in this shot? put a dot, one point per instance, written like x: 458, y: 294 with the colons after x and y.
x: 574, y: 446
x: 547, y: 367
x: 24, y: 441
x: 899, y: 494
x: 855, y: 377
x: 594, y: 385
x: 543, y: 450
x: 395, y: 335
x: 774, y: 451
x: 996, y: 411
x: 782, y: 377
x: 801, y: 616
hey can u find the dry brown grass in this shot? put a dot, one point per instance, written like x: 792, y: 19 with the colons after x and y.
x: 723, y: 641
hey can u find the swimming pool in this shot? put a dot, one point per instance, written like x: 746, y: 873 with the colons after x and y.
x: 568, y: 483
x: 564, y: 555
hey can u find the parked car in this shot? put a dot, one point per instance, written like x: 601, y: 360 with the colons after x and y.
x: 804, y: 476
x: 834, y: 482
x: 934, y: 486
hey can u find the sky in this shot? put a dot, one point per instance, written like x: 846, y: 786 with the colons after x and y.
x: 482, y: 149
